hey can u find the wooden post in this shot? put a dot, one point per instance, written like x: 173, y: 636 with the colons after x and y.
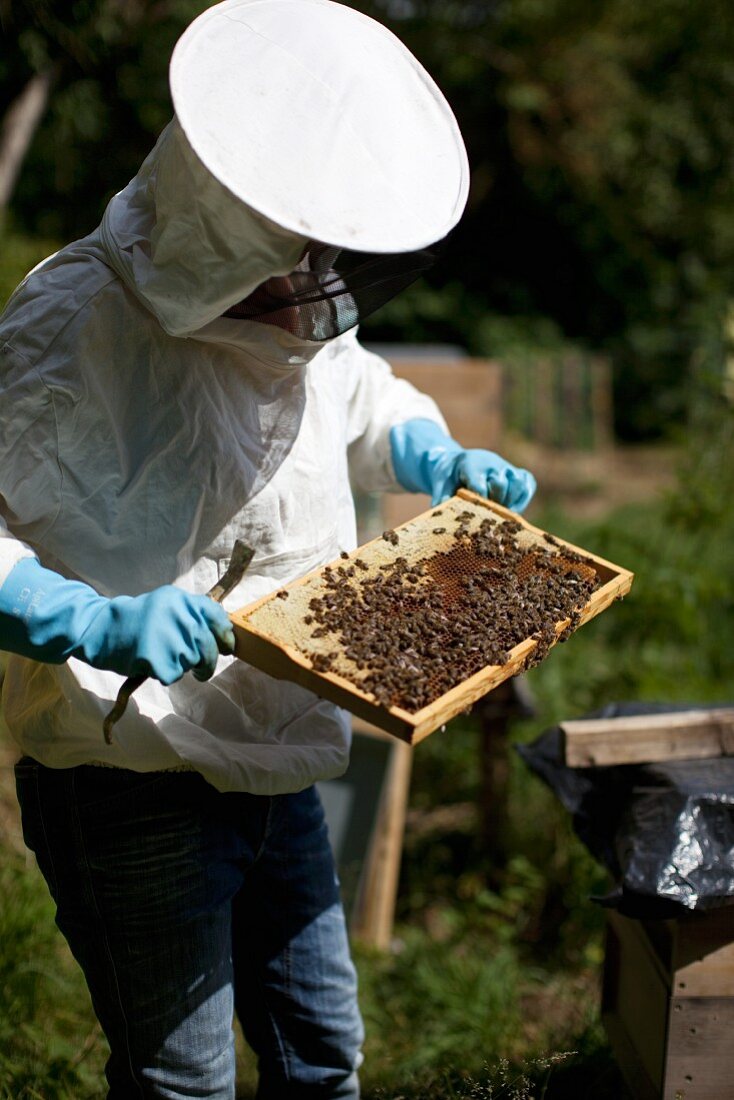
x: 18, y: 126
x: 602, y: 403
x: 373, y: 914
x: 546, y: 408
x: 511, y: 699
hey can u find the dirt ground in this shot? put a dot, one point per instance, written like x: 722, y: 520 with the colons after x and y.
x: 589, y: 485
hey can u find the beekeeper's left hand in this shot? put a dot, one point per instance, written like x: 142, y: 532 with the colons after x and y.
x: 426, y: 460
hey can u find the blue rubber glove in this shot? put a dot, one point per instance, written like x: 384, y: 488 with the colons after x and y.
x: 162, y: 633
x: 426, y: 460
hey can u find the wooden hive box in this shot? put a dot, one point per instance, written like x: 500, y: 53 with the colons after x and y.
x: 668, y: 1004
x: 271, y: 634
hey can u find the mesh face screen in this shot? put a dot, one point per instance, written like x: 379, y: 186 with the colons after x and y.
x: 332, y: 290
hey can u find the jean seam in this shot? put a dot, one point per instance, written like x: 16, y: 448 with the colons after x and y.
x: 274, y: 1027
x: 287, y: 1048
x: 283, y: 1044
x: 105, y: 937
x: 288, y: 957
x: 266, y: 829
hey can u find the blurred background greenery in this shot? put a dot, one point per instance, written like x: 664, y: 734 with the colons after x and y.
x: 600, y: 137
x: 600, y: 222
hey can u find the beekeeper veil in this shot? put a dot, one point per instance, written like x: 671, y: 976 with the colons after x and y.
x: 321, y: 123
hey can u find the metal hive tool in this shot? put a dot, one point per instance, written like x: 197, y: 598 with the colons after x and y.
x: 281, y: 634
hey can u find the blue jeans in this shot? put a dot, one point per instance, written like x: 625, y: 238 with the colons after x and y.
x: 183, y: 905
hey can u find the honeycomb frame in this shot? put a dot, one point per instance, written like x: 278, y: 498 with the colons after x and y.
x: 271, y: 633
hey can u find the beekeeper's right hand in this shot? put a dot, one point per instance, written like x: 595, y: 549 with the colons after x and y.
x: 163, y: 633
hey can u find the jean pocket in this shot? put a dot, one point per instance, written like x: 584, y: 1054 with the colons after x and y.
x: 26, y: 768
x: 137, y: 804
x: 95, y: 787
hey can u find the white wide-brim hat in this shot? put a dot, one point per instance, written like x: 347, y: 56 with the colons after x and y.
x: 320, y: 119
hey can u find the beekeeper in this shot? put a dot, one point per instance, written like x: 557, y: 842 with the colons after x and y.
x: 187, y: 375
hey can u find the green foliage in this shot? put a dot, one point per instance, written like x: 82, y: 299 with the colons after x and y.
x: 666, y: 638
x: 602, y: 153
x: 50, y: 1046
x: 108, y: 104
x: 18, y: 254
x: 424, y: 314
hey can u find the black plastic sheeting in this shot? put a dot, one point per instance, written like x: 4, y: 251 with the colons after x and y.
x: 665, y: 831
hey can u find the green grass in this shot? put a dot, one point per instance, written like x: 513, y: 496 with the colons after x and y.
x: 50, y: 1043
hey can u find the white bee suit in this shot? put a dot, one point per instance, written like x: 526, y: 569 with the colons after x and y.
x: 141, y: 433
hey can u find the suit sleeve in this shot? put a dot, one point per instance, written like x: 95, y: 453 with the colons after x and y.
x: 377, y: 401
x: 30, y: 483
x: 12, y: 551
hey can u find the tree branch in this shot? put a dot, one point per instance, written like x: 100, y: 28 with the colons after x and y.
x: 18, y: 127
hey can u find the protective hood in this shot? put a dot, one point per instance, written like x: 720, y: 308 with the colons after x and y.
x: 187, y: 247
x: 298, y: 123
x: 323, y: 121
